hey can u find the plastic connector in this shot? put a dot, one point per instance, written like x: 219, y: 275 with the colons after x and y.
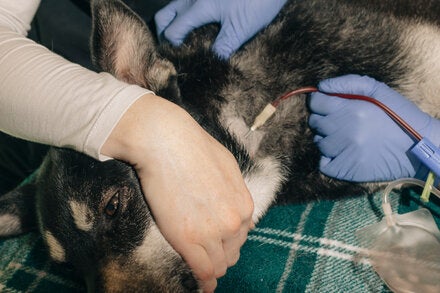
x: 428, y: 154
x: 263, y: 116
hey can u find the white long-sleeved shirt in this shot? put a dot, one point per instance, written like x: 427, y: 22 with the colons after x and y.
x: 47, y: 99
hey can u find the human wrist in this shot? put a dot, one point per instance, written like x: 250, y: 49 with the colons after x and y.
x: 129, y: 135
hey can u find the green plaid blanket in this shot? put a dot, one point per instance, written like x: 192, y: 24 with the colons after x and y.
x: 295, y: 248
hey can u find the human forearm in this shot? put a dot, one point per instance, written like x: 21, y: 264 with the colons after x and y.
x: 47, y: 99
x: 50, y: 100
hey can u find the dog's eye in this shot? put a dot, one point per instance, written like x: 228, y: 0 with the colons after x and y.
x: 113, y: 205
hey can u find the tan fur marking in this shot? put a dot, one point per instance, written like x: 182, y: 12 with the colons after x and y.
x: 114, y: 277
x: 9, y: 225
x: 56, y: 250
x: 81, y: 215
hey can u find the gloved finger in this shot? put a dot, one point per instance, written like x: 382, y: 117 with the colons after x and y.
x: 331, y: 146
x: 244, y: 23
x: 347, y: 166
x: 349, y: 84
x: 327, y: 125
x: 317, y: 138
x: 315, y: 122
x: 340, y: 167
x: 197, y: 15
x: 367, y: 86
x: 361, y: 85
x: 166, y: 15
x: 323, y: 104
x: 323, y: 163
x: 227, y: 41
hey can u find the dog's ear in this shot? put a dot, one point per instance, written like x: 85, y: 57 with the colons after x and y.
x: 123, y: 45
x: 17, y: 210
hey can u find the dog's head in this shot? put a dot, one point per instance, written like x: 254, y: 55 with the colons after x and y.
x: 93, y: 215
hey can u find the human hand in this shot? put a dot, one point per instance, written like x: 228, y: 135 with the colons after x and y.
x: 358, y: 140
x: 191, y: 182
x: 240, y: 20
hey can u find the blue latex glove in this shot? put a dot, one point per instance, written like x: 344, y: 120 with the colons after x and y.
x: 240, y: 20
x: 358, y: 141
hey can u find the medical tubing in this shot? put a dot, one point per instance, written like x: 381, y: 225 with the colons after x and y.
x: 303, y: 90
x: 386, y: 206
x: 385, y: 108
x: 402, y: 181
x: 385, y: 202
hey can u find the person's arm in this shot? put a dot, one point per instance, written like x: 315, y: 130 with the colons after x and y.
x: 358, y: 140
x: 47, y: 99
x: 17, y: 15
x: 191, y: 182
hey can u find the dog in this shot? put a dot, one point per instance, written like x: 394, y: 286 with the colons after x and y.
x: 93, y: 214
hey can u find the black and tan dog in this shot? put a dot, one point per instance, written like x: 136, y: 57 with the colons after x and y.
x: 92, y: 214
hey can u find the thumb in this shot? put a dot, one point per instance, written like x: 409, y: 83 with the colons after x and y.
x: 227, y: 41
x: 349, y: 84
x: 194, y: 17
x: 367, y: 86
x: 165, y: 16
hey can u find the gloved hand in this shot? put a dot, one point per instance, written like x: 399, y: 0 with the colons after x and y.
x: 240, y: 20
x: 358, y: 141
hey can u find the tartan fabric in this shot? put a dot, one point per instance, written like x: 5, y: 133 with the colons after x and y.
x: 294, y: 248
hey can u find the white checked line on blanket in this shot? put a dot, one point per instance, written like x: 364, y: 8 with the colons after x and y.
x: 340, y: 265
x: 293, y: 249
x: 334, y: 248
x: 297, y: 243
